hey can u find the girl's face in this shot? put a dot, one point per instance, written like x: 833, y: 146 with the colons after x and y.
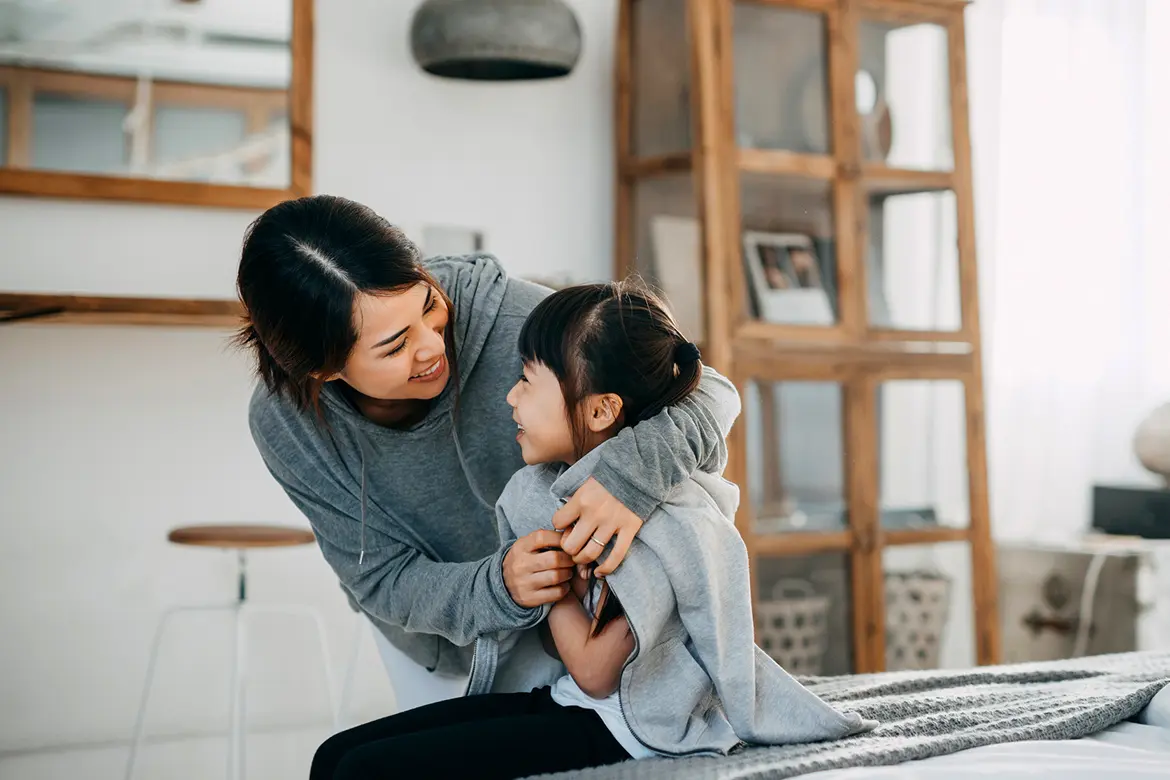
x: 538, y: 407
x: 400, y: 353
x: 544, y: 430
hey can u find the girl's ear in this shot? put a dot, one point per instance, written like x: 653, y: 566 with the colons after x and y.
x: 602, y: 411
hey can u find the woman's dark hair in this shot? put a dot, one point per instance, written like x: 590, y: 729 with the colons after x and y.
x: 304, y: 263
x: 619, y: 338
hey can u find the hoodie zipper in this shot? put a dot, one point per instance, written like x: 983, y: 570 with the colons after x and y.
x: 621, y: 677
x: 471, y: 672
x: 621, y: 702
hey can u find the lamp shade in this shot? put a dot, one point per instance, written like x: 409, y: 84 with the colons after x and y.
x: 495, y: 40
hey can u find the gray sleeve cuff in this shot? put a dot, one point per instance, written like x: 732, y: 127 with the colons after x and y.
x: 624, y: 491
x: 522, y: 615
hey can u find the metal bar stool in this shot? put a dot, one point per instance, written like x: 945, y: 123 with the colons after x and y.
x: 240, y: 539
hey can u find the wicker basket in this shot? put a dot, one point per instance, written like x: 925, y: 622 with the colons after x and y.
x: 793, y: 626
x: 917, y: 605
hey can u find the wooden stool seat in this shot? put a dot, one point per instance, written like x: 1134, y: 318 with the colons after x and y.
x: 240, y: 537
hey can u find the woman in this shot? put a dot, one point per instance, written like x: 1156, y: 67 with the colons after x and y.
x: 381, y: 414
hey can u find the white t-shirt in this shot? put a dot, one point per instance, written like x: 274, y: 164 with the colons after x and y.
x: 567, y: 693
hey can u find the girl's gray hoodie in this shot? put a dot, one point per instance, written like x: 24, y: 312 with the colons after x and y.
x: 696, y: 682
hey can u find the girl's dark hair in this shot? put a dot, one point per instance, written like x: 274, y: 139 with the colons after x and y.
x: 304, y: 263
x: 619, y: 338
x: 615, y: 337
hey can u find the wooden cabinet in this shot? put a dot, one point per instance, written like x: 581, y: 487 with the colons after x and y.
x: 795, y: 175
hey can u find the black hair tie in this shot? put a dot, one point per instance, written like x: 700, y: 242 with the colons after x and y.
x: 686, y: 353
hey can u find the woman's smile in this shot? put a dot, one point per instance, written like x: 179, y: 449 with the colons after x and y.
x: 432, y: 372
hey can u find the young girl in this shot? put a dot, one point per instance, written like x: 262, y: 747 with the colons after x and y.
x: 658, y: 660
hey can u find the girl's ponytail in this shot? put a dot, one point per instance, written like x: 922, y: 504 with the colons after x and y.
x: 688, y: 371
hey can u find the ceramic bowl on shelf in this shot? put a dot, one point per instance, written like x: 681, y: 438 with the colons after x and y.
x: 1151, y: 442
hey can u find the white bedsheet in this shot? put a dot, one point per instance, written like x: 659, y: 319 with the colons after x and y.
x: 1134, y: 750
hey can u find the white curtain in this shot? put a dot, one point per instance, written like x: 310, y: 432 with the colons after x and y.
x: 1070, y: 107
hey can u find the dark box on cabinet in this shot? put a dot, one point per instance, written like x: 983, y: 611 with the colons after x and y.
x: 1132, y: 511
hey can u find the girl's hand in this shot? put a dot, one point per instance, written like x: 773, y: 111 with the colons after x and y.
x: 597, y: 518
x: 580, y: 582
x: 535, y: 571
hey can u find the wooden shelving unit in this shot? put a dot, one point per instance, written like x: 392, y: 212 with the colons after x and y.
x: 27, y: 308
x: 843, y: 122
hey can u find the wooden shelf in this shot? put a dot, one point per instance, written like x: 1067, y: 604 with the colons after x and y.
x: 770, y: 162
x: 778, y: 162
x: 949, y: 341
x: 924, y: 536
x: 795, y: 352
x: 637, y: 167
x: 813, y: 543
x: 877, y: 179
x: 28, y: 308
x: 936, y: 336
x: 792, y: 544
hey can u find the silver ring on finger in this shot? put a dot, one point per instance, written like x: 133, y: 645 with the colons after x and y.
x: 596, y: 541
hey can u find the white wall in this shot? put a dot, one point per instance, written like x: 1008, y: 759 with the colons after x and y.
x: 113, y: 435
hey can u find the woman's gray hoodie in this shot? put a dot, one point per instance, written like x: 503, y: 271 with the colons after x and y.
x: 696, y: 682
x: 406, y: 517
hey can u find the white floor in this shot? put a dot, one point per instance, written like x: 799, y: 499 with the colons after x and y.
x: 271, y: 756
x: 281, y: 739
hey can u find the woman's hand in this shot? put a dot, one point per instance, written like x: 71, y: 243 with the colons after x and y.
x: 596, y: 518
x: 536, y: 570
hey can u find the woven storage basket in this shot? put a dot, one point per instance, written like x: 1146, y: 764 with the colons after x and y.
x: 793, y: 626
x: 917, y: 606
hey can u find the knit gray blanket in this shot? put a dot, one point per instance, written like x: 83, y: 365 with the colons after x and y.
x: 925, y: 714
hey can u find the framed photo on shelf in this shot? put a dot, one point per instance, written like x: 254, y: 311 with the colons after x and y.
x: 784, y: 276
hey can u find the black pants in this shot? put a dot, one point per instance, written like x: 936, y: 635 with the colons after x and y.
x: 499, y: 735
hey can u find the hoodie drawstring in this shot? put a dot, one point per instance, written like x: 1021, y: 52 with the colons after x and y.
x: 362, y: 451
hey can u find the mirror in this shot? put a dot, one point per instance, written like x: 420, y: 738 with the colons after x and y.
x: 186, y: 101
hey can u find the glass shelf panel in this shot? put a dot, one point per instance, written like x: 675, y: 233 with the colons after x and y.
x: 795, y: 457
x: 804, y: 612
x: 781, y: 79
x: 661, y: 78
x: 922, y: 446
x: 912, y: 261
x: 3, y: 126
x: 903, y: 95
x: 789, y: 255
x: 668, y: 248
x: 930, y: 618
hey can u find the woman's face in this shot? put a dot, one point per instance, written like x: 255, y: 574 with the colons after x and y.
x: 400, y: 353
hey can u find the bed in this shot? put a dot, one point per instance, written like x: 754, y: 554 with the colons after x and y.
x: 1102, y: 716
